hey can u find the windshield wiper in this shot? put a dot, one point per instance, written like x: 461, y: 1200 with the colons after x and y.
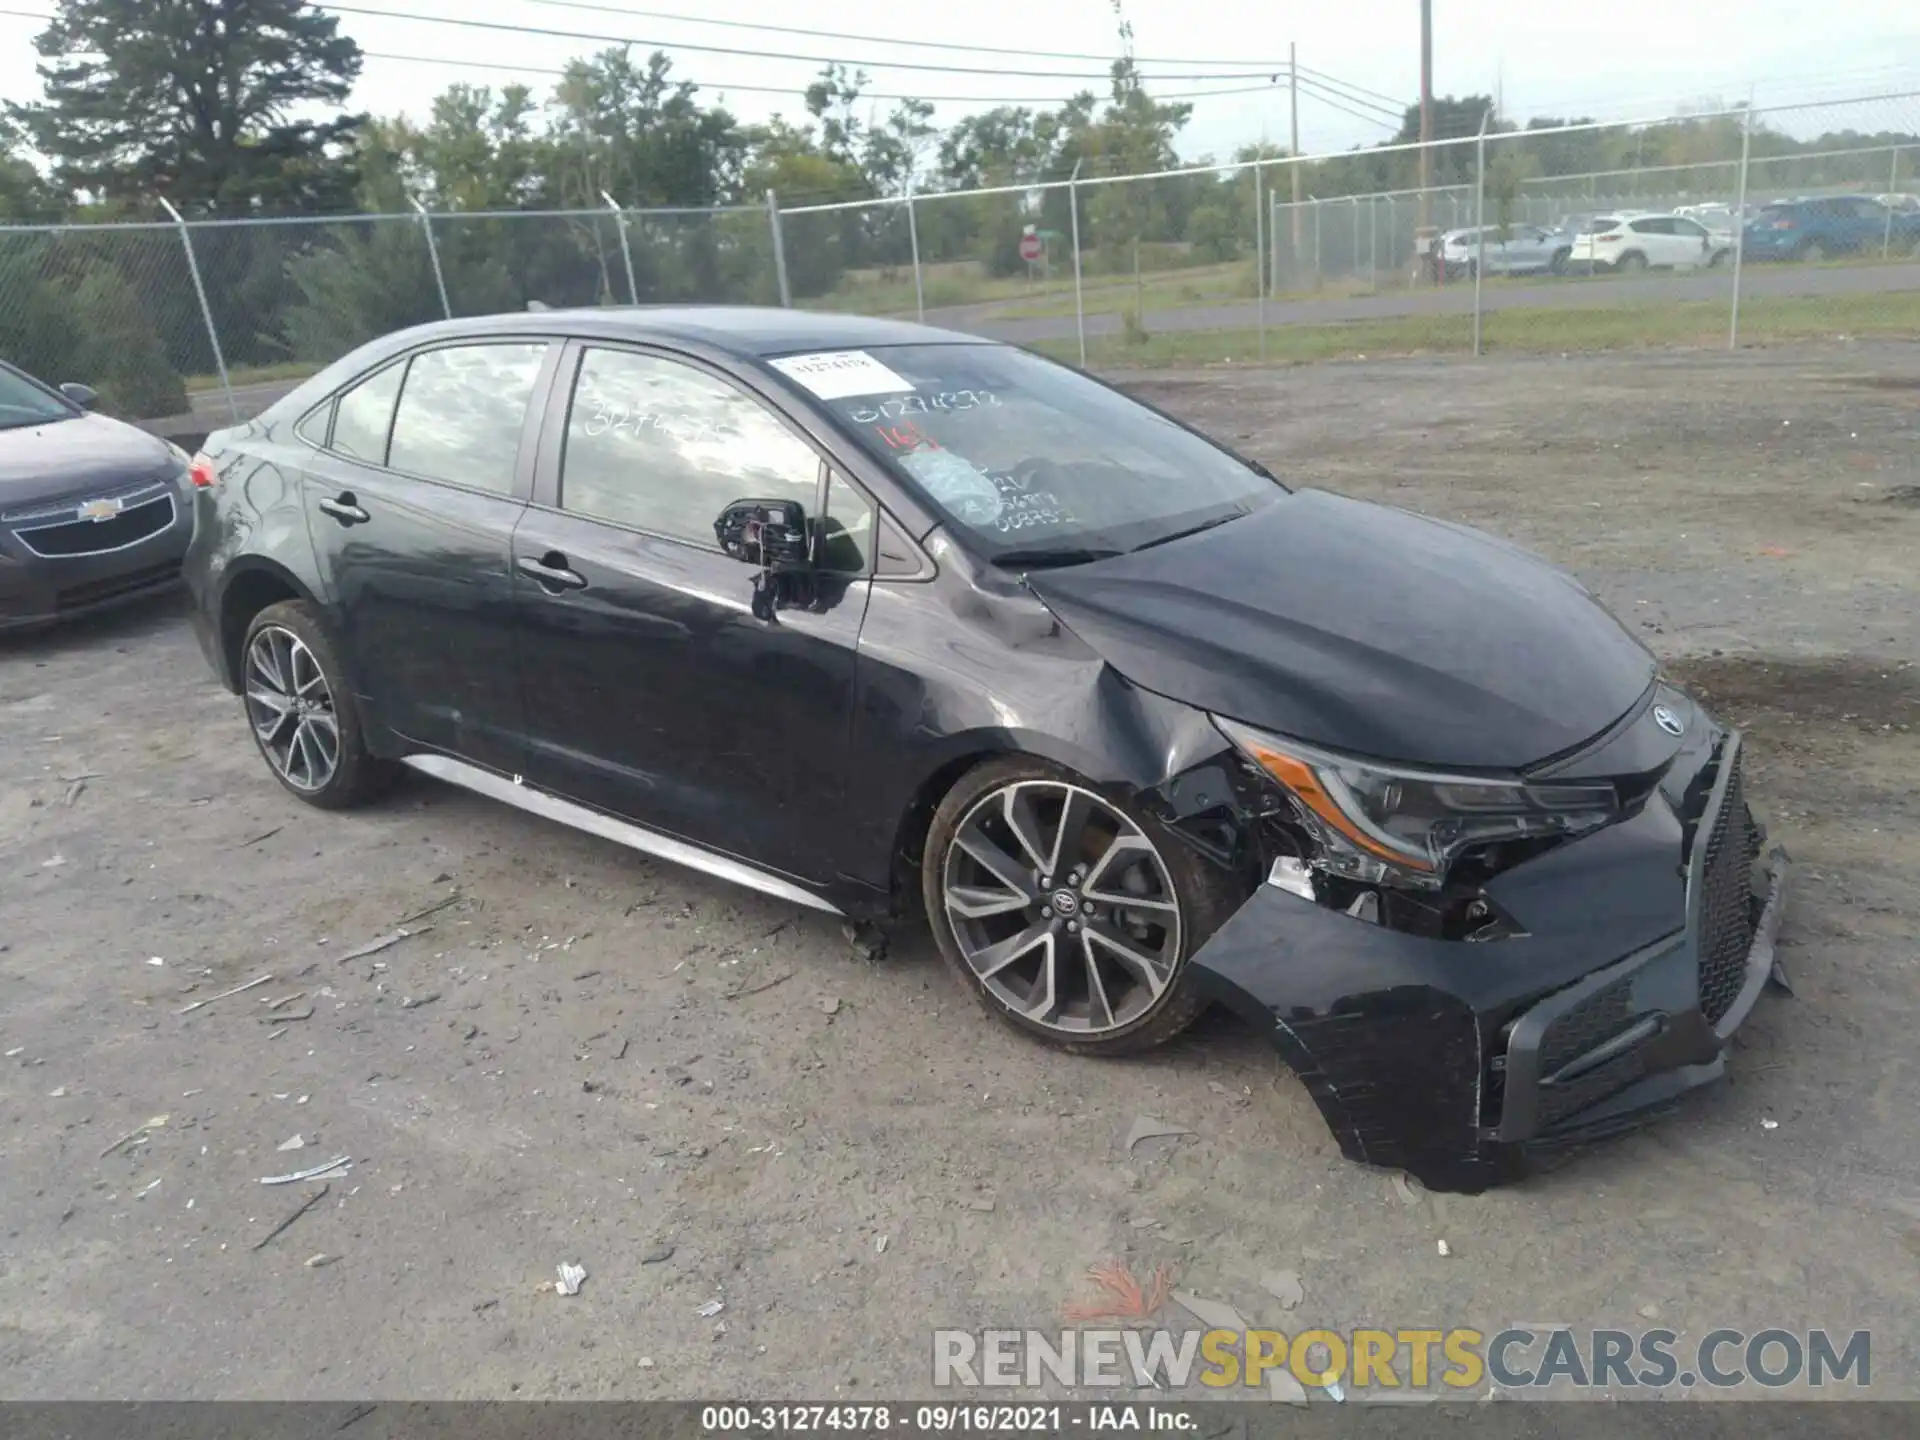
x: 1042, y: 558
x: 1190, y: 530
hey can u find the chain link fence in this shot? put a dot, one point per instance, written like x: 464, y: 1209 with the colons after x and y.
x: 1716, y: 228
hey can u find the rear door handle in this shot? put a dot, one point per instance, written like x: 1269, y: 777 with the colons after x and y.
x: 344, y: 508
x: 552, y: 572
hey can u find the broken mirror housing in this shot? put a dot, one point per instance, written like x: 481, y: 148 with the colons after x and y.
x: 1386, y: 824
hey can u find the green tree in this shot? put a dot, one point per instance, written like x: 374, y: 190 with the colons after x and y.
x: 207, y: 102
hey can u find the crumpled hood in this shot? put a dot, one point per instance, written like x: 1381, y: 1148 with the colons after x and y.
x: 77, y: 457
x: 1362, y: 628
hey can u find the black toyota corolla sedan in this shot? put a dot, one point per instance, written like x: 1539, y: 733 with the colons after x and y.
x: 93, y: 511
x: 881, y: 619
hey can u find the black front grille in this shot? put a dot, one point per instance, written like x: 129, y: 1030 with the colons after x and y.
x: 96, y: 537
x: 1725, y: 906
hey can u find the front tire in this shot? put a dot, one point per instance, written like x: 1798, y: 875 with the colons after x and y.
x: 302, y: 713
x: 1066, y: 912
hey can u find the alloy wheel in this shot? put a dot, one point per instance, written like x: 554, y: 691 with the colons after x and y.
x: 1062, y: 907
x: 291, y: 709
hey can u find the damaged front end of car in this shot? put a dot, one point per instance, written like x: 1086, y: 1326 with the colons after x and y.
x: 1468, y: 969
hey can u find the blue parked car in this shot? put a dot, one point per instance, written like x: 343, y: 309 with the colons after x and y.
x: 1829, y: 226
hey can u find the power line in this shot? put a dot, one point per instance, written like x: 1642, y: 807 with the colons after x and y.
x: 546, y: 31
x: 871, y: 39
x: 520, y: 69
x: 1335, y: 80
x: 1307, y: 89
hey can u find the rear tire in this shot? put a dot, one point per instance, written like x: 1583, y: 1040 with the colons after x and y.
x: 1092, y: 960
x: 1631, y: 263
x: 301, y: 710
x: 1813, y: 252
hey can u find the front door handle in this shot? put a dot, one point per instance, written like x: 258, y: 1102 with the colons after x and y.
x: 344, y: 508
x: 552, y: 571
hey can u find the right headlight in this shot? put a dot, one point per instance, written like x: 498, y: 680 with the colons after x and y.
x: 1378, y: 822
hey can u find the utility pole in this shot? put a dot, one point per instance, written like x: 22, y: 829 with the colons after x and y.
x: 1293, y: 145
x: 1426, y: 109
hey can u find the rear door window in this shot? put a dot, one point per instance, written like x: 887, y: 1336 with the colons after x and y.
x: 364, y: 416
x: 461, y: 412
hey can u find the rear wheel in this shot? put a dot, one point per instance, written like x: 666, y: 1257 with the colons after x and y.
x: 1631, y: 262
x: 1068, y: 914
x: 1813, y: 252
x: 301, y: 710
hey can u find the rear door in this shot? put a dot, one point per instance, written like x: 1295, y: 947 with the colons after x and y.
x: 411, y: 506
x: 1653, y: 237
x: 652, y: 689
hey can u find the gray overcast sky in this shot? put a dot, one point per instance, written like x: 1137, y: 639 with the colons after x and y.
x: 1617, y: 60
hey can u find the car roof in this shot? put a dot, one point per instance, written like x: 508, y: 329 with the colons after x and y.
x: 749, y: 331
x: 733, y: 332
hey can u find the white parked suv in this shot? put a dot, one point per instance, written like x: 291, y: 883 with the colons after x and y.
x: 1640, y: 242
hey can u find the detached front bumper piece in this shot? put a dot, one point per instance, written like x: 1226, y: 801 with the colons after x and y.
x: 1646, y: 946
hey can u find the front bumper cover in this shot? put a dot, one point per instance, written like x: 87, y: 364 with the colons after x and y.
x: 40, y: 590
x: 1458, y: 1062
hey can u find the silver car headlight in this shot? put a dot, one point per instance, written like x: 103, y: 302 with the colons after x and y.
x: 1382, y: 823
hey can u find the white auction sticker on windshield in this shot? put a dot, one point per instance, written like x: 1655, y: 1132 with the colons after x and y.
x: 837, y: 374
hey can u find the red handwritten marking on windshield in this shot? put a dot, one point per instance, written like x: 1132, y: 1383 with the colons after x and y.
x: 906, y: 436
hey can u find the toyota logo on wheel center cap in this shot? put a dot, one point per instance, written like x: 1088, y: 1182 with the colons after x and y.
x: 1065, y: 902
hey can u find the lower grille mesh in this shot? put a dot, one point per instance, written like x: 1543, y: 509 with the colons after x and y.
x: 1726, y: 907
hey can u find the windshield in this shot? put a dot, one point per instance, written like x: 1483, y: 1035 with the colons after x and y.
x: 1032, y: 462
x: 24, y: 403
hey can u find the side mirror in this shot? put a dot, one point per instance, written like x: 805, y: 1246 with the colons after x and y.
x: 769, y: 533
x: 85, y: 396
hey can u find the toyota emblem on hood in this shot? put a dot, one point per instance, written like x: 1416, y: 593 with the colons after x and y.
x: 1668, y: 721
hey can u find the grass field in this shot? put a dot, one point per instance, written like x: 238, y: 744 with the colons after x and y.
x: 964, y: 282
x: 1545, y: 331
x: 253, y: 375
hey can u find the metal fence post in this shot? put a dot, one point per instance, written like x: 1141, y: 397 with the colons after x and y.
x: 1740, y: 223
x: 206, y: 310
x: 1893, y: 188
x: 1479, y: 222
x: 1079, y: 303
x: 1355, y: 222
x: 779, y: 249
x: 1273, y: 246
x: 1373, y: 243
x: 913, y: 241
x: 620, y: 223
x: 1260, y: 252
x: 1319, y: 275
x: 433, y: 254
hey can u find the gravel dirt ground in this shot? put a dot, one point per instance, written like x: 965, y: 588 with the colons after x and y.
x: 701, y: 1095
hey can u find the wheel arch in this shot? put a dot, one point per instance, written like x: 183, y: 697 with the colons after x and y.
x: 946, y: 767
x: 250, y: 587
x: 1148, y: 744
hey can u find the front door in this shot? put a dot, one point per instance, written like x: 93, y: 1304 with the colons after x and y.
x: 652, y: 689
x: 411, y: 507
